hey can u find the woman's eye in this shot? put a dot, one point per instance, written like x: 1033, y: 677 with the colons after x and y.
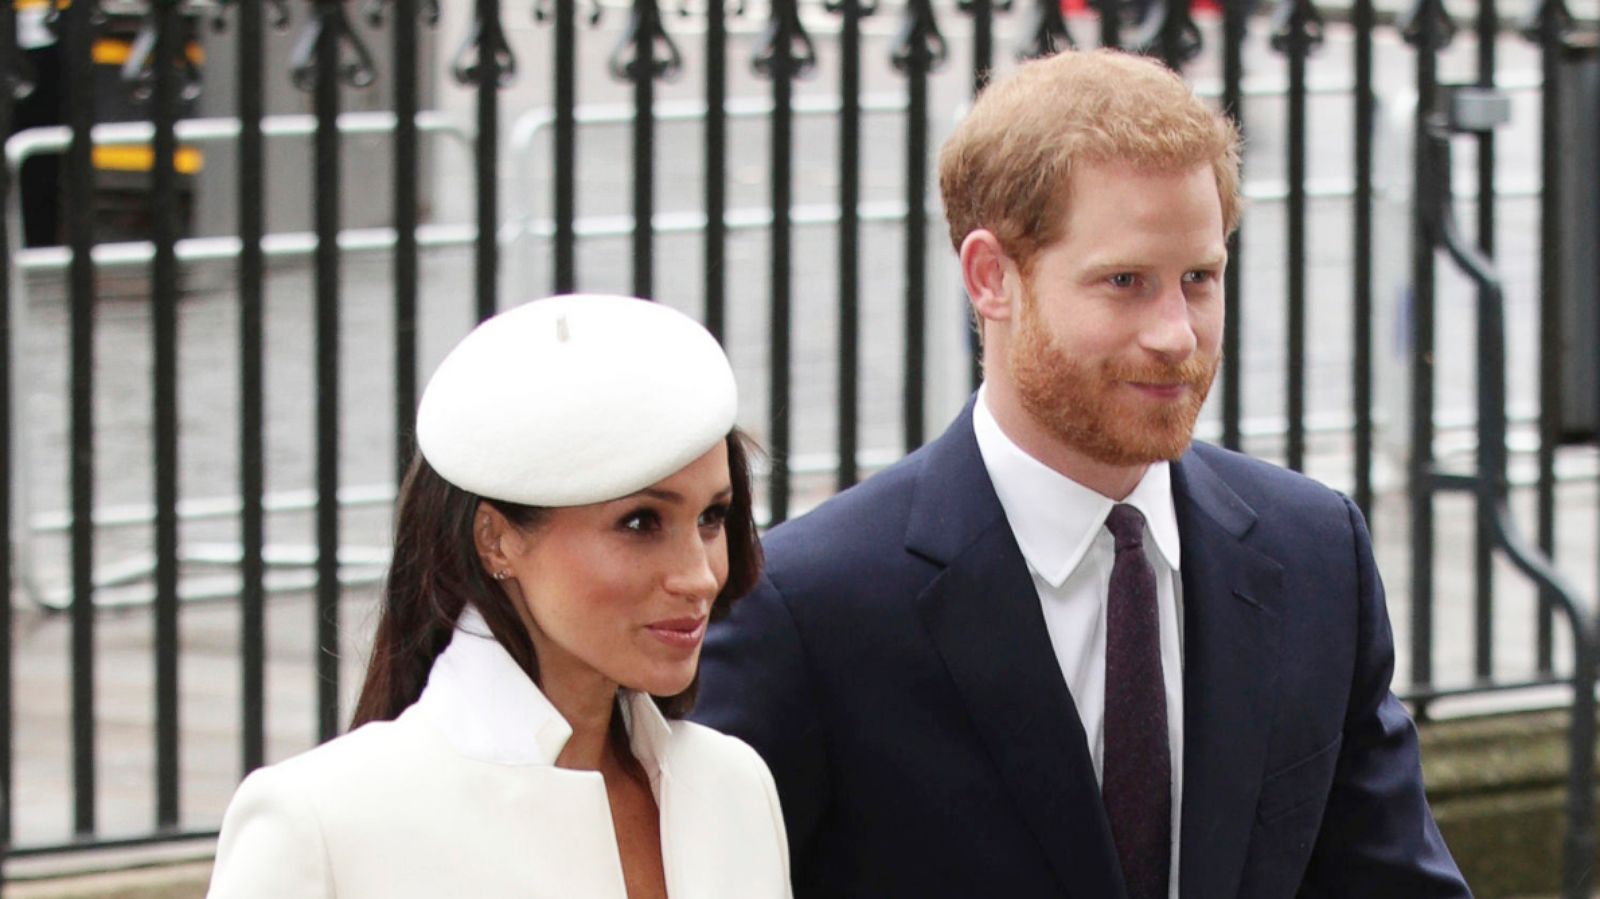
x: 714, y: 517
x: 640, y: 521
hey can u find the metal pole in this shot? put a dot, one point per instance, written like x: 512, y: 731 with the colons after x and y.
x: 566, y: 152
x: 716, y: 165
x: 1234, y: 22
x: 252, y: 380
x: 487, y: 254
x: 164, y: 309
x: 406, y: 176
x: 1364, y: 21
x: 922, y: 51
x: 849, y: 238
x: 1428, y: 31
x: 76, y: 44
x: 1488, y: 30
x: 9, y: 85
x: 327, y: 185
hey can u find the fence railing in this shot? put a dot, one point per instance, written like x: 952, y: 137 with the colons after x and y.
x: 760, y: 175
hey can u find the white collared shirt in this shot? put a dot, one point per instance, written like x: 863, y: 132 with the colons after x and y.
x: 1059, y: 525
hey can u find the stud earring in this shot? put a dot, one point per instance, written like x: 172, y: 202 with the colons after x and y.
x: 501, y: 575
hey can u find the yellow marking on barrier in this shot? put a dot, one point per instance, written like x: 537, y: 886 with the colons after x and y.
x: 113, y: 52
x: 134, y: 158
x: 109, y: 52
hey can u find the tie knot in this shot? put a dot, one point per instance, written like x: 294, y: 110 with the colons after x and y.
x: 1126, y: 525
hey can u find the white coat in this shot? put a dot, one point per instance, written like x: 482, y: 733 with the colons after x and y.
x: 459, y: 796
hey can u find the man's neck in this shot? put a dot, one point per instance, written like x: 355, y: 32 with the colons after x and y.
x: 1114, y: 482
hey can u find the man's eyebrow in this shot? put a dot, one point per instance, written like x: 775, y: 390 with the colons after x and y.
x: 1110, y: 264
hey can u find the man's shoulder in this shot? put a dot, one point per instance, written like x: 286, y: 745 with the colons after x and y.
x: 880, y: 500
x: 1295, y: 516
x: 1262, y: 484
x: 857, y: 533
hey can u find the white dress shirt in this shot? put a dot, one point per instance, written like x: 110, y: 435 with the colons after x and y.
x: 1059, y: 525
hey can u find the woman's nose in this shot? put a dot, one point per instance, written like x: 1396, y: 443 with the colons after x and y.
x: 695, y: 570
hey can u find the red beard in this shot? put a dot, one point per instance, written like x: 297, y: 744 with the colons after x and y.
x: 1092, y: 410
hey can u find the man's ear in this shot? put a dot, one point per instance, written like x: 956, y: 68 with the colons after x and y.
x: 989, y: 275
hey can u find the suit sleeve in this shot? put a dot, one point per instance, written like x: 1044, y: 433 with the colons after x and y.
x: 271, y: 843
x: 755, y: 684
x: 1378, y: 837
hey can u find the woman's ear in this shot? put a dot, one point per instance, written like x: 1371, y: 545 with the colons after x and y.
x: 989, y: 276
x: 489, y: 530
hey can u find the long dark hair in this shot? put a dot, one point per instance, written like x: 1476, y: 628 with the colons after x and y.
x: 436, y: 572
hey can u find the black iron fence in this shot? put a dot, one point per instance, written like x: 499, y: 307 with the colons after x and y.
x: 875, y: 243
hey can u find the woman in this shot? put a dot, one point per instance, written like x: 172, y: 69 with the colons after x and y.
x: 579, y: 509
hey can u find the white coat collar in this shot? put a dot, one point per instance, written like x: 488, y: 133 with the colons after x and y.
x: 488, y: 709
x: 1054, y: 518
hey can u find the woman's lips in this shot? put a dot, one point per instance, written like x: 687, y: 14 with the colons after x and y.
x: 681, y: 633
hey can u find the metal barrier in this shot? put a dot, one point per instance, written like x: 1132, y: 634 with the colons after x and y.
x: 784, y: 48
x: 113, y: 581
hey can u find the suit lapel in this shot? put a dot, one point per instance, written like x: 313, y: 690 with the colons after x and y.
x: 982, y: 615
x: 1230, y: 601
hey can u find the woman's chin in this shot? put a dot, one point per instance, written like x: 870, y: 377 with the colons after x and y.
x: 666, y: 682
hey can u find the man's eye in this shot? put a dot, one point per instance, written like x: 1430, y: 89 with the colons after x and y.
x: 1124, y: 279
x: 1199, y: 276
x: 640, y: 521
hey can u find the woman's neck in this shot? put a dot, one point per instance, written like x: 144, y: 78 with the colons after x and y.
x: 589, y: 710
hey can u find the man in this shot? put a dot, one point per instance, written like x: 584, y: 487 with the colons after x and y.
x: 1059, y: 651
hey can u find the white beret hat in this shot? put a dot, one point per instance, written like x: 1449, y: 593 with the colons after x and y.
x: 574, y: 400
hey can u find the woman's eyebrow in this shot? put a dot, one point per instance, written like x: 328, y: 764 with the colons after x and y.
x: 673, y: 496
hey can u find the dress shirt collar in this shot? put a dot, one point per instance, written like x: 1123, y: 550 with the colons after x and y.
x: 489, y: 710
x: 1054, y: 518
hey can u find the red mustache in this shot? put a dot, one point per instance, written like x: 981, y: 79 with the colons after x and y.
x: 1197, y: 372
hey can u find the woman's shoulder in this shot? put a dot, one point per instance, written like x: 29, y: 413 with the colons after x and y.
x: 375, y: 744
x: 714, y: 758
x: 697, y: 744
x: 365, y: 760
x: 275, y: 833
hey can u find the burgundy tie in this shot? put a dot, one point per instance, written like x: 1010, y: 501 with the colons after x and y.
x: 1136, y: 781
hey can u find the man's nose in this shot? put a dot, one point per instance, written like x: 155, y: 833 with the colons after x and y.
x: 1168, y: 330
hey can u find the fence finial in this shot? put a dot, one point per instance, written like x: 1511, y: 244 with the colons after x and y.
x: 645, y: 45
x: 1296, y: 24
x: 1427, y: 25
x: 358, y: 72
x: 1046, y: 33
x: 785, y: 43
x: 485, y: 46
x: 919, y: 31
x: 1550, y: 20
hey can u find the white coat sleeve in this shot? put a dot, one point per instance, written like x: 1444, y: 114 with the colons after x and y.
x: 776, y: 811
x: 272, y: 843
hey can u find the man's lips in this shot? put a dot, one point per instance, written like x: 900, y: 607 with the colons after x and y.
x: 684, y: 633
x: 1164, y: 391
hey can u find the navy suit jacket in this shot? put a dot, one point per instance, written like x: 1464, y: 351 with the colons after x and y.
x: 894, y: 670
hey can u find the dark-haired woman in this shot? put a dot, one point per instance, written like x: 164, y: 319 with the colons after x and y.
x: 578, y: 511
